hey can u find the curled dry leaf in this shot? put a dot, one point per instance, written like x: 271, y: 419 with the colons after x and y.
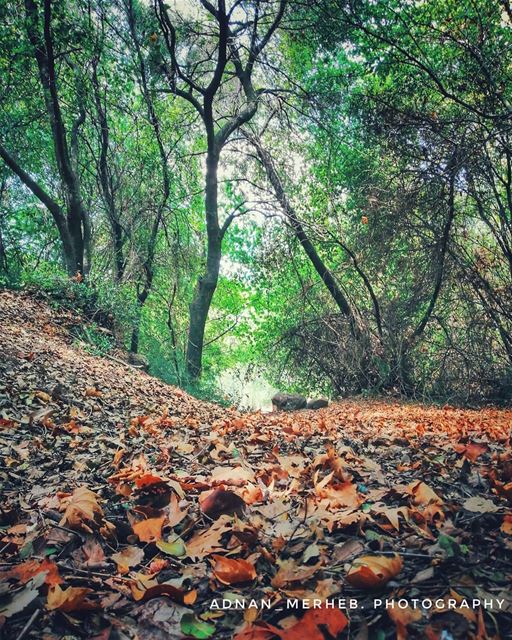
x: 206, y: 542
x: 231, y: 570
x: 82, y: 510
x: 219, y: 501
x: 372, y: 572
x: 472, y: 451
x: 506, y: 525
x: 422, y: 494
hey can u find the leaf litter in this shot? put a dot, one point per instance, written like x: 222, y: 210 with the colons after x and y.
x: 130, y: 510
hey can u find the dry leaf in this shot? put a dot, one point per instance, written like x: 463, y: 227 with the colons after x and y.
x: 373, y: 572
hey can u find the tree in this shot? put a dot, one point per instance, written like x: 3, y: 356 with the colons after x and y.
x: 216, y: 76
x: 71, y: 218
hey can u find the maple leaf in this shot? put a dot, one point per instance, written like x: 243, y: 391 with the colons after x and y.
x: 70, y: 599
x: 372, y: 572
x: 82, y: 510
x: 150, y: 529
x: 231, y: 570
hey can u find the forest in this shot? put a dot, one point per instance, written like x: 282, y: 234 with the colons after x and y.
x: 210, y: 205
x: 315, y: 191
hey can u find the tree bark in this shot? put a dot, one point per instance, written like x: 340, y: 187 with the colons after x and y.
x: 207, y: 283
x: 52, y: 206
x: 321, y: 268
x: 105, y: 180
x: 76, y: 219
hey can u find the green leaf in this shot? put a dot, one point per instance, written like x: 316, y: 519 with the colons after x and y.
x: 192, y: 626
x: 176, y: 548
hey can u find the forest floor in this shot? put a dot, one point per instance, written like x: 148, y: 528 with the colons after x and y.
x: 130, y: 510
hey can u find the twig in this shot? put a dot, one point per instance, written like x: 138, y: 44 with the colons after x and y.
x: 30, y: 622
x: 299, y: 524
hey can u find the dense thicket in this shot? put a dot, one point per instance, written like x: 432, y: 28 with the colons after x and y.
x: 319, y: 189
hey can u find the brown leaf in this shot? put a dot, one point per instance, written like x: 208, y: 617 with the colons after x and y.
x: 70, y: 599
x: 82, y: 510
x: 128, y: 557
x: 150, y: 529
x: 372, y: 572
x: 232, y: 571
x: 290, y: 571
x: 219, y: 502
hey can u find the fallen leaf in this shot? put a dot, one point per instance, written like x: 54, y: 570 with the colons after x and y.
x: 82, y: 510
x: 219, y: 502
x: 232, y: 571
x: 149, y: 530
x: 480, y: 505
x: 372, y: 572
x: 403, y: 616
x: 128, y: 557
x: 70, y: 599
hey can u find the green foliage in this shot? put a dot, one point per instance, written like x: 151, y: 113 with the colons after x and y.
x: 388, y: 120
x: 94, y: 340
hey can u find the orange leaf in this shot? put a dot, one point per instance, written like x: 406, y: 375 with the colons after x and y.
x: 258, y: 631
x: 70, y: 599
x: 178, y: 595
x: 147, y: 479
x: 372, y: 572
x: 232, y: 571
x: 403, y: 617
x: 506, y: 525
x: 31, y: 568
x: 82, y: 510
x: 311, y: 624
x: 422, y: 493
x: 149, y: 530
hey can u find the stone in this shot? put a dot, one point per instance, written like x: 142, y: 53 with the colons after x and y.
x: 317, y: 403
x: 288, y: 402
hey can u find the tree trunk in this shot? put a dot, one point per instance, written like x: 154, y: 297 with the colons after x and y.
x: 207, y: 283
x: 76, y: 219
x: 141, y: 299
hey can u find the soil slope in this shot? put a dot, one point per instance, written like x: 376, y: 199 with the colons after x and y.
x: 131, y: 510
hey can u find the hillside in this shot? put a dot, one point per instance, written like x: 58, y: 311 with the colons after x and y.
x: 131, y: 510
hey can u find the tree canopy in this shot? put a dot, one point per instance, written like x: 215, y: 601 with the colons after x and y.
x: 319, y: 190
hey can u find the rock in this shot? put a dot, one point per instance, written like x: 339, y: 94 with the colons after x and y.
x: 288, y: 402
x: 139, y: 361
x: 318, y: 403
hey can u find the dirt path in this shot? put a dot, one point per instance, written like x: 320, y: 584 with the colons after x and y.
x: 129, y: 508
